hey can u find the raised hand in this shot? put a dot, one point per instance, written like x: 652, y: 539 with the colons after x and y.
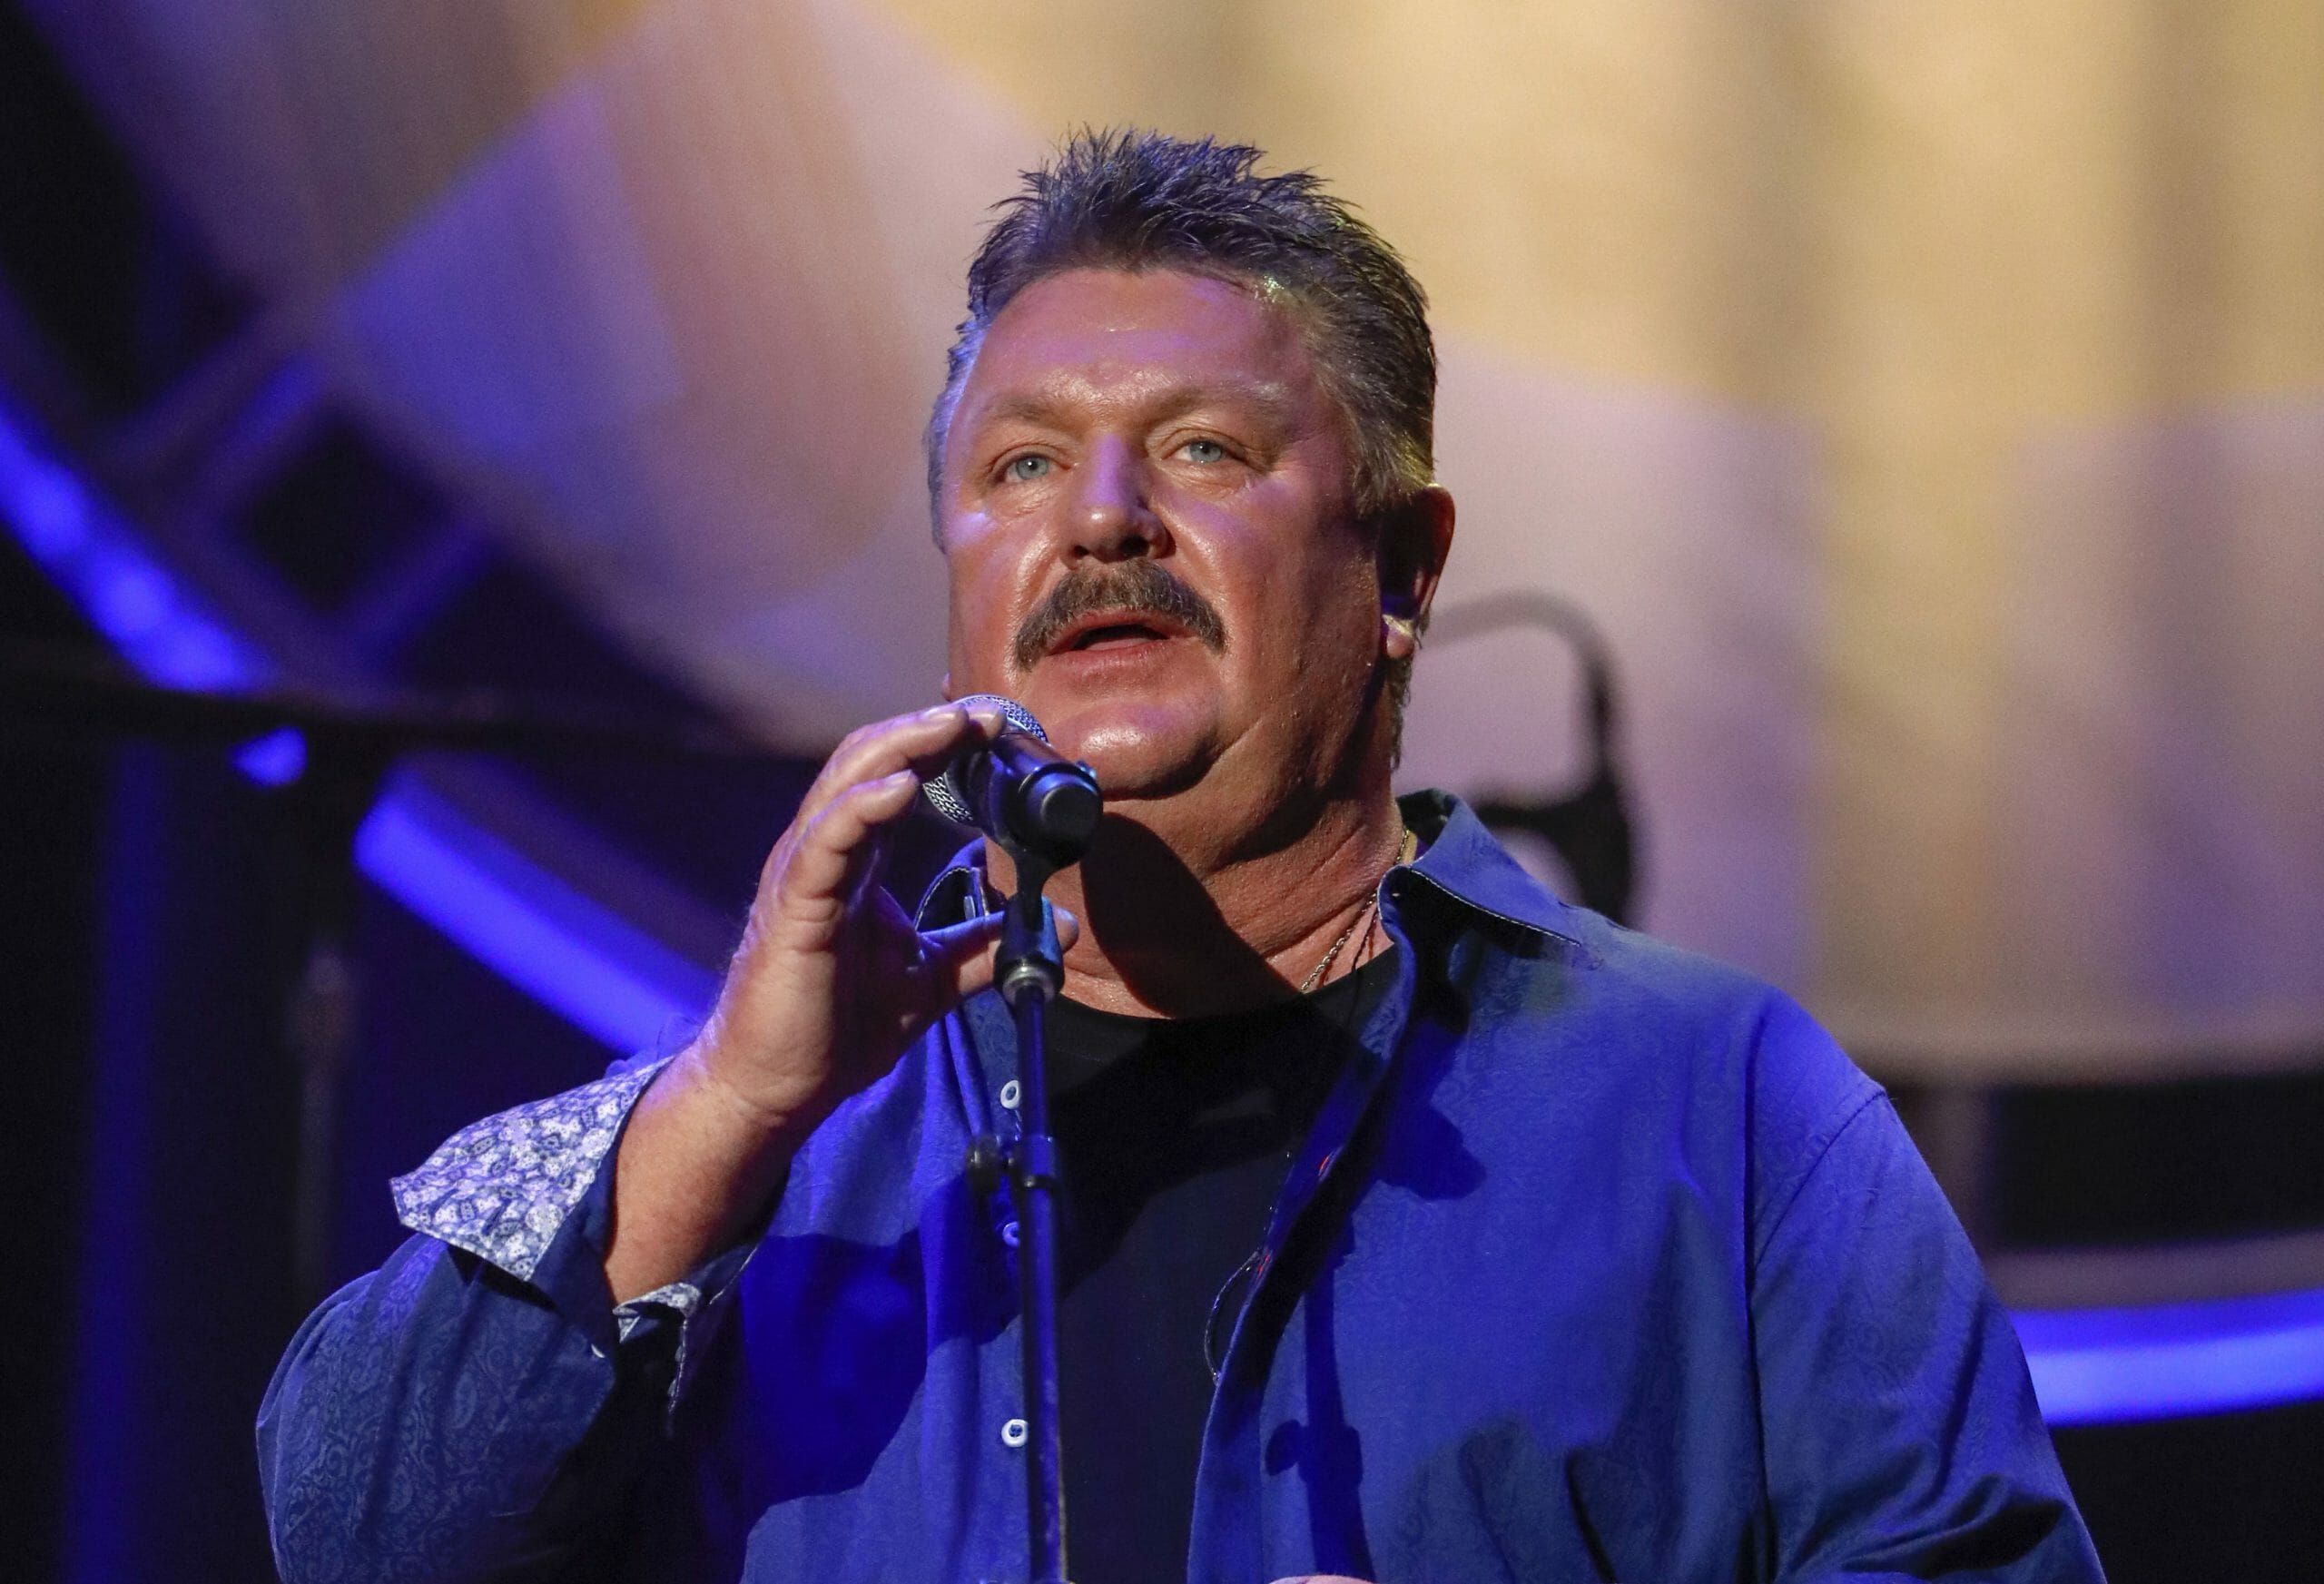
x: 832, y: 982
x: 829, y: 986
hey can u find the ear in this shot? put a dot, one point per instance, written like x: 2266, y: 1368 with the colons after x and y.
x: 1415, y: 537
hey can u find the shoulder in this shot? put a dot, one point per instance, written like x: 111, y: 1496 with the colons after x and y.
x: 1652, y: 1033
x: 1554, y: 969
x: 1667, y: 987
x: 1777, y: 1082
x: 1564, y: 974
x: 1790, y: 1071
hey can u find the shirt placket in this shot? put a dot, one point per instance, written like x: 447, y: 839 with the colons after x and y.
x: 1226, y: 1537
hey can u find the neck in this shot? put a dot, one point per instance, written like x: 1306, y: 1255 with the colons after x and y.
x: 1184, y: 918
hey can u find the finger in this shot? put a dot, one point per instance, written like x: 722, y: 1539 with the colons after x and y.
x: 923, y: 741
x: 963, y: 954
x: 871, y: 856
x: 818, y: 877
x: 959, y: 958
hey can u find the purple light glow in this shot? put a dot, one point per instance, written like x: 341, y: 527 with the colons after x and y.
x: 547, y: 940
x: 2097, y: 1366
x: 578, y: 959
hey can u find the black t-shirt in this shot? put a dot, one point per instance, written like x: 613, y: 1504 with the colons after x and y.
x: 1176, y: 1136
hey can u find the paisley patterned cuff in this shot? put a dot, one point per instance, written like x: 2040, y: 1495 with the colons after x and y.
x: 682, y: 1298
x: 500, y: 1188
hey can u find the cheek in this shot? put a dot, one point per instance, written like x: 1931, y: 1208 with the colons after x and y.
x: 1344, y: 638
x: 973, y: 607
x: 1313, y: 629
x: 993, y: 581
x: 1340, y: 592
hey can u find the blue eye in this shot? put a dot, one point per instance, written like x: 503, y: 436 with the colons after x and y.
x: 1026, y: 468
x: 1204, y: 451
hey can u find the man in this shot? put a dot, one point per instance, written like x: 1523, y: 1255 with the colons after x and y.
x: 1418, y: 1226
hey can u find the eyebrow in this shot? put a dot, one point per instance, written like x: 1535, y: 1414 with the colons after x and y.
x: 1039, y: 409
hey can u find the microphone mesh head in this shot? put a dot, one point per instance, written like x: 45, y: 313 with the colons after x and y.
x: 945, y: 793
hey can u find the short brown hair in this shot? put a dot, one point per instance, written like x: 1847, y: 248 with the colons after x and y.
x: 1137, y: 201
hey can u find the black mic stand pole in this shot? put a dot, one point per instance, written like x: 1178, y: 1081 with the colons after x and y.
x: 351, y: 744
x: 1029, y: 971
x: 1043, y: 812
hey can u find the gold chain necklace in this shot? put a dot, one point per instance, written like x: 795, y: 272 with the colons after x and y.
x: 1404, y: 851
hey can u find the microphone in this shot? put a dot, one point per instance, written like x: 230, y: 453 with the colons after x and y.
x: 1020, y: 790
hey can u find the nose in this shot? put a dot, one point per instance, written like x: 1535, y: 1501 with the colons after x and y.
x: 1110, y: 517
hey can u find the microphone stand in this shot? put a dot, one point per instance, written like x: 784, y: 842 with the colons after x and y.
x: 350, y: 745
x: 1029, y: 971
x: 1043, y: 812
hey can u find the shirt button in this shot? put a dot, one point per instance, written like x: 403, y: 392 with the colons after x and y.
x: 1010, y: 1095
x: 1013, y: 1433
x: 1008, y: 1233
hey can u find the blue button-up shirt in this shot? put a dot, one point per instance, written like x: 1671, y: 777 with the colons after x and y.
x: 1599, y: 1263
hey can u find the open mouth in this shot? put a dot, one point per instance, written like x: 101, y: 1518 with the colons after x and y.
x: 1137, y: 607
x: 1112, y: 630
x: 1117, y: 635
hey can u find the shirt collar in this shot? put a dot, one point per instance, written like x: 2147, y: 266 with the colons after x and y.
x: 957, y: 894
x: 1461, y: 859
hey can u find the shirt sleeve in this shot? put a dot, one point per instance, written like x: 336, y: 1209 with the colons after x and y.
x: 477, y: 1404
x: 1900, y: 1432
x: 502, y: 1188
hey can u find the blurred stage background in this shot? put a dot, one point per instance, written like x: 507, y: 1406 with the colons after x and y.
x: 1923, y: 406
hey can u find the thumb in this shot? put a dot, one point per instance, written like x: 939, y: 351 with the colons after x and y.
x: 961, y: 957
x: 963, y: 954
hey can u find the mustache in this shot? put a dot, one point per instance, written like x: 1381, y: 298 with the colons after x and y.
x: 1129, y: 588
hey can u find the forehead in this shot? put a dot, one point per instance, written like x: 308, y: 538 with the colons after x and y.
x: 1097, y: 337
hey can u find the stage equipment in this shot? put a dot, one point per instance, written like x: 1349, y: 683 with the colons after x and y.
x: 1042, y: 809
x: 1020, y: 790
x: 1590, y: 828
x: 346, y: 749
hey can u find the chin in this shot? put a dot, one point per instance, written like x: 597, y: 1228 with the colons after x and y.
x: 1140, y: 748
x: 1142, y: 777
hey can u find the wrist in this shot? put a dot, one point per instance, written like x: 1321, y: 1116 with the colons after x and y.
x: 749, y: 1119
x: 698, y: 1164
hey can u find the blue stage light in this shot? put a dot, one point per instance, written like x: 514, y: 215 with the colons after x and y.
x: 547, y: 940
x: 277, y: 758
x: 2093, y: 1366
x: 577, y: 958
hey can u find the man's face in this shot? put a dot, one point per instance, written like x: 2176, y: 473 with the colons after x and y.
x: 1114, y: 419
